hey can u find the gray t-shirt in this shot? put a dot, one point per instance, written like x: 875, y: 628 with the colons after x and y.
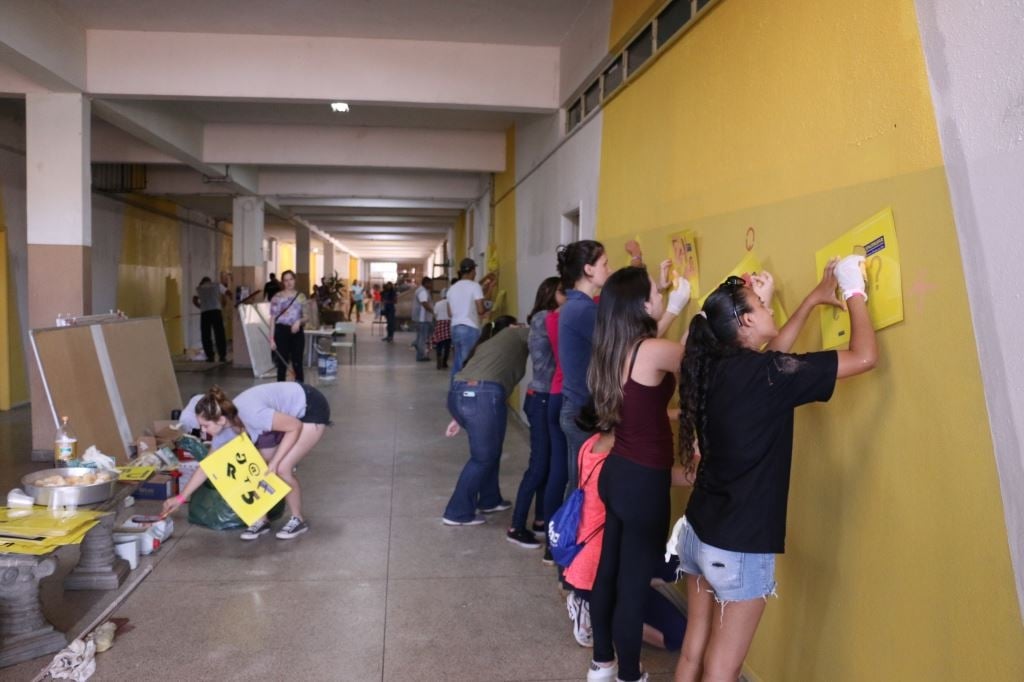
x: 501, y: 359
x: 209, y: 296
x: 541, y: 355
x: 257, y: 405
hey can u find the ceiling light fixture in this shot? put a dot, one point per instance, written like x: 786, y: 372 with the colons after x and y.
x: 339, y: 107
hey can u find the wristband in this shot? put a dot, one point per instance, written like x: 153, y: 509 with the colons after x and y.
x: 181, y: 498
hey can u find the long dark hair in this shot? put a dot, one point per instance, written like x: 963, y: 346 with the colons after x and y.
x: 489, y: 331
x: 713, y: 335
x: 622, y: 323
x: 574, y: 257
x: 545, y: 297
x: 215, y: 404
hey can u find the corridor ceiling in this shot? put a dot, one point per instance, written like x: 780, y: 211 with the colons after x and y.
x: 233, y: 97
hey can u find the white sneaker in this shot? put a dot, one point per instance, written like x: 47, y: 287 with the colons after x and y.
x: 579, y: 614
x: 599, y: 673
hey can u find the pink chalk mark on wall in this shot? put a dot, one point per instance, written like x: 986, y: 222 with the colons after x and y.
x: 920, y: 290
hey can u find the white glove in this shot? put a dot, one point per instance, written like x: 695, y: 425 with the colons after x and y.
x: 679, y: 296
x: 850, y: 276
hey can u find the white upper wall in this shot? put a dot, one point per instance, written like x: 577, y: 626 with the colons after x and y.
x: 975, y: 57
x: 514, y: 77
x: 42, y: 46
x: 584, y: 46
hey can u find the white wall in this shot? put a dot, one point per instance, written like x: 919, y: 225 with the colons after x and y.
x: 975, y: 58
x: 107, y: 233
x: 584, y: 46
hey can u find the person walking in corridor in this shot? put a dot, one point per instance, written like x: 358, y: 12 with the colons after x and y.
x: 358, y: 293
x: 423, y: 317
x: 388, y: 300
x: 288, y: 311
x: 211, y: 319
x: 465, y: 307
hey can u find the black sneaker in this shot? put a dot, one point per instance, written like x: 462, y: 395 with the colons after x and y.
x: 540, y: 529
x: 255, y: 530
x: 548, y: 560
x: 295, y: 526
x: 522, y: 537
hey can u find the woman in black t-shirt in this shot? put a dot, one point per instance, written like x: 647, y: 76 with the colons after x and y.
x: 736, y: 430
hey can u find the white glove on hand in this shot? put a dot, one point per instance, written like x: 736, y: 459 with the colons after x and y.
x: 679, y: 296
x: 851, y: 277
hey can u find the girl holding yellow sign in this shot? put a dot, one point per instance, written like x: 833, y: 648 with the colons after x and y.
x: 284, y: 420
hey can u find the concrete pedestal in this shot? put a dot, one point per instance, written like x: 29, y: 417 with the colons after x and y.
x: 99, y: 568
x: 24, y: 631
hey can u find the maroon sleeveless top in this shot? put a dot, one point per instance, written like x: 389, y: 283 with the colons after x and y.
x: 644, y: 434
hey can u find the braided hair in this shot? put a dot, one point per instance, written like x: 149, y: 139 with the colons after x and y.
x: 713, y: 336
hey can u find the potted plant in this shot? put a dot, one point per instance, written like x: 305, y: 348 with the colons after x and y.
x: 330, y: 298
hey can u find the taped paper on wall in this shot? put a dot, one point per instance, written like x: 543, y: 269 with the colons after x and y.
x: 875, y: 239
x: 683, y: 253
x: 750, y: 265
x: 239, y: 473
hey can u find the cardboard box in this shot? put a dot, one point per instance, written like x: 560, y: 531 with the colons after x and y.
x: 158, y: 487
x: 187, y: 469
x: 164, y: 433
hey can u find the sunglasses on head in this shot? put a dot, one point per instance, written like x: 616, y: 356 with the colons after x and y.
x: 733, y: 282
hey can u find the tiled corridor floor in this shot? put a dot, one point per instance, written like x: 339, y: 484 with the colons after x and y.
x: 378, y: 589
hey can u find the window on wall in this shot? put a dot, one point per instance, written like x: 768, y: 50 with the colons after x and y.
x: 613, y: 75
x: 640, y: 50
x: 672, y: 18
x: 592, y: 98
x: 575, y: 115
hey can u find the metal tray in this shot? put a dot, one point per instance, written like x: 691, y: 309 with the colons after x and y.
x: 68, y: 495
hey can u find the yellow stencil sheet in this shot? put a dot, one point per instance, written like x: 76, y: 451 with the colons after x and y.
x: 683, y: 253
x: 239, y: 473
x: 134, y: 473
x: 44, y: 545
x: 875, y: 239
x: 750, y: 265
x: 40, y: 521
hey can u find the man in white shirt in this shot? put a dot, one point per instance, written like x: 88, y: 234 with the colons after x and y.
x: 423, y: 316
x: 465, y: 307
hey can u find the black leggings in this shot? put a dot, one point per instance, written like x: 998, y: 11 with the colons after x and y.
x: 636, y: 500
x: 290, y: 348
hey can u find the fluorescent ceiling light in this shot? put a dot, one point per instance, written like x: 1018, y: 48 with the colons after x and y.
x: 339, y: 107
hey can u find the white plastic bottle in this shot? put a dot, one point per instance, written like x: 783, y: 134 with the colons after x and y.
x: 65, y: 445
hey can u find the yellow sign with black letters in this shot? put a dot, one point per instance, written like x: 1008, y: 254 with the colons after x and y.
x: 240, y: 475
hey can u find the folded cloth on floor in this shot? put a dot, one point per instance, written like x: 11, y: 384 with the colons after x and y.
x: 75, y: 662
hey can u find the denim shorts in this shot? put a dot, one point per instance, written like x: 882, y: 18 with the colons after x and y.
x: 734, y: 576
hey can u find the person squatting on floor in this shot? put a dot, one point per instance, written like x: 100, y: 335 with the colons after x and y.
x: 736, y: 411
x: 284, y: 420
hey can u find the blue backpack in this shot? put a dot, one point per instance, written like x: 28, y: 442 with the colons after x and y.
x: 564, y: 527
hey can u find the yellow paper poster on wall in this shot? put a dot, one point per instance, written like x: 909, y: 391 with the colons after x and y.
x: 239, y: 474
x: 875, y: 239
x: 750, y: 265
x: 683, y: 254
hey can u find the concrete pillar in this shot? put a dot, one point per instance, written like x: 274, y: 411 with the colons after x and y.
x: 329, y: 266
x: 302, y: 282
x: 59, y: 211
x: 246, y: 262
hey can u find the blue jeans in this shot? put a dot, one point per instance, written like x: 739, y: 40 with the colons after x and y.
x: 558, y: 472
x: 464, y: 338
x: 479, y: 408
x: 536, y: 474
x: 575, y: 437
x: 423, y: 332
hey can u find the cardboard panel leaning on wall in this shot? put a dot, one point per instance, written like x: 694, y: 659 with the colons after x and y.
x: 803, y: 139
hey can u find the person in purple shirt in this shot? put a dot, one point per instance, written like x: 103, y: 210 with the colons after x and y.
x: 583, y: 267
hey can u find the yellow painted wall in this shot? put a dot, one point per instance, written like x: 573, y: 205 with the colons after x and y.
x: 149, y: 270
x: 504, y: 237
x: 13, y: 379
x: 285, y: 256
x: 353, y: 268
x: 801, y: 119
